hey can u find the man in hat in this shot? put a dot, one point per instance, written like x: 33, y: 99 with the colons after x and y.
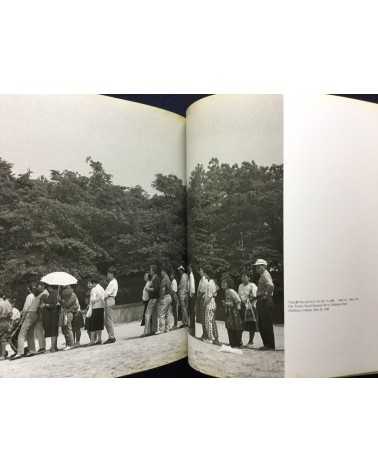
x: 264, y: 306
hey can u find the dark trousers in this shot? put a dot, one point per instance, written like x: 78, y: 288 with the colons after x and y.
x: 175, y: 307
x: 235, y: 337
x: 144, y: 313
x: 192, y: 315
x: 200, y: 316
x: 265, y: 315
x: 249, y: 325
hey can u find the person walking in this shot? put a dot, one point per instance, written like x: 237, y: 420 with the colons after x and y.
x: 110, y: 298
x: 264, y: 305
x: 29, y: 319
x: 232, y: 304
x: 96, y: 311
x: 50, y: 309
x: 183, y: 295
x: 201, y: 302
x: 248, y: 295
x: 69, y: 309
x: 151, y: 310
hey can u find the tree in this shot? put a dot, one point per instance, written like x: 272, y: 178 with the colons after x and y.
x: 83, y: 224
x: 235, y: 215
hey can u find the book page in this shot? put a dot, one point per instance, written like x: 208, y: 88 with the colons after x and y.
x: 235, y: 235
x: 331, y: 233
x: 92, y: 228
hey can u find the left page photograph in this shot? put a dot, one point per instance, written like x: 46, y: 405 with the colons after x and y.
x: 92, y: 232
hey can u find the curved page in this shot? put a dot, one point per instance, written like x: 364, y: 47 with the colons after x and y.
x: 92, y: 202
x: 331, y: 233
x: 235, y: 233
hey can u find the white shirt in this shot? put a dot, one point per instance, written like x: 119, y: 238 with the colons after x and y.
x: 202, y: 285
x: 192, y: 284
x: 174, y: 285
x: 184, y: 284
x: 97, y: 297
x: 15, y: 314
x: 112, y: 289
x: 146, y: 294
x: 247, y: 291
x: 5, y: 308
x: 28, y: 301
x: 211, y: 289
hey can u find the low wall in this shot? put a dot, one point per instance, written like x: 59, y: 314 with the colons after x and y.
x: 128, y: 312
x: 134, y: 312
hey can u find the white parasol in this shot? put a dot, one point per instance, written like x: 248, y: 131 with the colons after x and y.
x: 59, y: 278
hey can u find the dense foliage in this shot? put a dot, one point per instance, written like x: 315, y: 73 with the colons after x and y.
x: 83, y: 225
x: 236, y: 216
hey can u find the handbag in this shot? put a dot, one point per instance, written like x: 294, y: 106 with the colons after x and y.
x: 249, y: 314
x: 89, y: 312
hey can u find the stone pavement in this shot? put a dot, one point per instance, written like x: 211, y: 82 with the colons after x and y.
x: 211, y: 360
x: 131, y: 354
x: 128, y: 355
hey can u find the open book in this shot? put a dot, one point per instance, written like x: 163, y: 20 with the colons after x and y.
x: 132, y: 237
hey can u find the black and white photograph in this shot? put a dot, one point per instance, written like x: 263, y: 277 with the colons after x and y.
x: 235, y: 235
x: 92, y: 236
x: 132, y: 237
x: 188, y: 192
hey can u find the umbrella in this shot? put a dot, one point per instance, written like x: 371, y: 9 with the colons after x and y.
x: 59, y: 278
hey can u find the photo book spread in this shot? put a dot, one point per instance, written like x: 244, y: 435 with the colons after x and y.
x: 241, y: 236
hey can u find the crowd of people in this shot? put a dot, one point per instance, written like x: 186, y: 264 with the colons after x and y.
x: 50, y: 308
x: 163, y: 296
x: 168, y: 296
x: 250, y: 308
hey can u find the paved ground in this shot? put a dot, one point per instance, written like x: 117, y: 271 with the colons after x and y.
x: 211, y: 360
x: 128, y: 355
x: 131, y: 354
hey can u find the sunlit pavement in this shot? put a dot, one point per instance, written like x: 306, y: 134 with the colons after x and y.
x: 129, y: 354
x: 215, y: 361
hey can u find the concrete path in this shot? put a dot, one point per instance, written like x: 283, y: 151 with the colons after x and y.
x: 212, y: 360
x: 128, y: 355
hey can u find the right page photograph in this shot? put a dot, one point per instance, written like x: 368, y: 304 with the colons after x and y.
x: 331, y: 234
x: 235, y: 235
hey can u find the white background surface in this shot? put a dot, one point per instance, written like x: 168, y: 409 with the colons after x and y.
x: 331, y: 234
x: 172, y: 47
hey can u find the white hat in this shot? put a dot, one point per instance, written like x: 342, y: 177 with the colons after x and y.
x: 260, y: 262
x: 181, y: 268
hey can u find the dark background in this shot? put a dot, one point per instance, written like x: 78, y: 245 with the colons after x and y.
x: 178, y: 103
x: 365, y: 97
